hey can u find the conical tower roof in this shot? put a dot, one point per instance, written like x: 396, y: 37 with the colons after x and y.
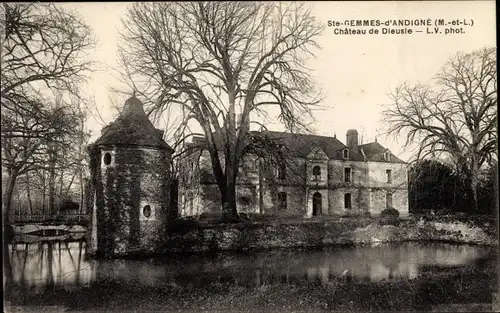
x: 132, y: 127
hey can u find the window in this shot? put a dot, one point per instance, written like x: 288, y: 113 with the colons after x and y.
x: 387, y: 156
x: 282, y: 171
x: 388, y: 173
x: 388, y: 200
x: 316, y: 172
x: 347, y: 200
x: 191, y: 174
x: 346, y: 154
x: 146, y: 211
x: 347, y: 174
x: 317, y: 203
x: 107, y: 158
x: 282, y: 201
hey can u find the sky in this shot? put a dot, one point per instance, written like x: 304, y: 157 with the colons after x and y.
x: 355, y: 72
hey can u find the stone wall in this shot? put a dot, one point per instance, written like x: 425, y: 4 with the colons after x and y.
x: 257, y: 236
x: 210, y: 200
x: 248, y: 200
x: 359, y: 173
x: 320, y: 195
x: 135, y: 178
x: 368, y: 187
x: 399, y: 200
x: 378, y: 177
x: 380, y: 187
x: 360, y: 200
x: 296, y: 196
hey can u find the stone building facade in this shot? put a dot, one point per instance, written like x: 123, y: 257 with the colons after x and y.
x: 322, y: 176
x: 130, y: 167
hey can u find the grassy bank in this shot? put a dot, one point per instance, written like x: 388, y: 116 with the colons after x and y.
x: 421, y: 229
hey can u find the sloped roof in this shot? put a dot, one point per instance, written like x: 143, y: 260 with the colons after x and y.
x: 300, y: 145
x: 132, y: 127
x: 375, y: 152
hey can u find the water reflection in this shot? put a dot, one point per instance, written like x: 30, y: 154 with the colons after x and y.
x: 49, y: 265
x: 38, y: 267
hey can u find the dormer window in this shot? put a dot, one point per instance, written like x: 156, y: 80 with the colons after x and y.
x: 345, y: 154
x: 387, y: 156
x: 317, y: 173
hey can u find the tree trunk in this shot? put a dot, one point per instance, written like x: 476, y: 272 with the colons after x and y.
x: 10, y: 183
x: 473, y: 186
x: 61, y: 185
x: 68, y: 188
x: 44, y: 197
x: 496, y: 208
x: 495, y: 186
x: 83, y: 185
x: 82, y: 192
x: 28, y: 189
x: 261, y: 191
x: 8, y: 232
x: 44, y: 191
x: 52, y: 186
x: 474, y: 183
x: 229, y: 211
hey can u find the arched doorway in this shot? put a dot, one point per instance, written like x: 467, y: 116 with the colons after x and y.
x: 316, y: 204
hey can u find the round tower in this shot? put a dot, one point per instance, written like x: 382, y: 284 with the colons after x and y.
x: 130, y: 168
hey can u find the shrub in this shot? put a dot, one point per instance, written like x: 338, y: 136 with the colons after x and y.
x: 390, y: 212
x: 389, y: 216
x: 365, y: 214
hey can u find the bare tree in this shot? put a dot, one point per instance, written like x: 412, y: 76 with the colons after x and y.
x: 42, y: 49
x: 220, y: 59
x: 38, y: 141
x: 42, y: 45
x: 455, y: 117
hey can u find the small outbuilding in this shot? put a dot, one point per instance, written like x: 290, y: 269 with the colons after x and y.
x: 130, y: 180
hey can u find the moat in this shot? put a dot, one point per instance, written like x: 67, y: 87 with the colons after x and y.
x: 414, y: 275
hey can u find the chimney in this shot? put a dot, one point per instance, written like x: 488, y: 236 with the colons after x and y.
x: 352, y: 139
